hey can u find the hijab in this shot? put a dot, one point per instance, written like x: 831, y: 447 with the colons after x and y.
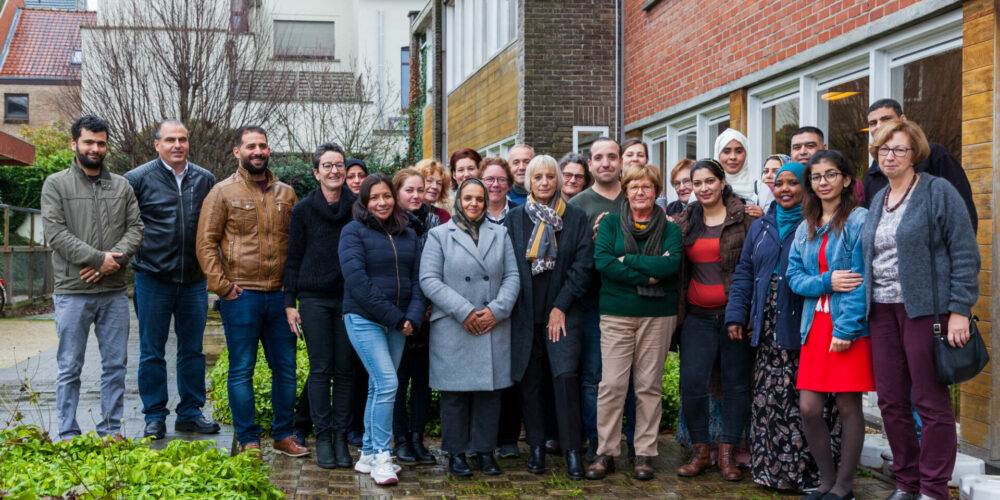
x: 788, y: 218
x: 742, y: 181
x: 467, y: 225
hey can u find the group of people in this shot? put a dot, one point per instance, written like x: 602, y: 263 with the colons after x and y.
x: 543, y: 293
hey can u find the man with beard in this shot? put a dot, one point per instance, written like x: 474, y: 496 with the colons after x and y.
x: 169, y: 283
x: 242, y: 243
x: 91, y: 220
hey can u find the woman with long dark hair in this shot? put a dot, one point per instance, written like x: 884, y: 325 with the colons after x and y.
x: 826, y: 267
x: 383, y: 304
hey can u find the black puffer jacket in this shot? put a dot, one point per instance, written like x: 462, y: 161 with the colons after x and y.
x: 313, y: 234
x: 170, y: 217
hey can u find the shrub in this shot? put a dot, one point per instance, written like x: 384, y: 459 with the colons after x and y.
x: 671, y: 392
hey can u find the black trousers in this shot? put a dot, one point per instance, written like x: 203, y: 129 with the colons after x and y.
x: 413, y: 373
x: 330, y: 363
x: 469, y: 421
x: 510, y: 415
x: 566, y: 392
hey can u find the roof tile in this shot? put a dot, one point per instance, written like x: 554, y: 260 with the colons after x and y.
x: 43, y: 42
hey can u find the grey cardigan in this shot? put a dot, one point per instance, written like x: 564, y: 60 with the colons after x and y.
x: 957, y: 254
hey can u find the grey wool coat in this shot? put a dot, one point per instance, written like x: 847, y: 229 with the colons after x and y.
x: 567, y: 285
x: 459, y: 277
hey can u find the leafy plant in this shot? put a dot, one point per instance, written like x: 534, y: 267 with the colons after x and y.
x: 671, y: 391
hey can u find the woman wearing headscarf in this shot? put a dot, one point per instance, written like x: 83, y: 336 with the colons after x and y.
x: 554, y: 255
x: 769, y: 172
x: 469, y: 273
x: 762, y: 305
x: 731, y: 152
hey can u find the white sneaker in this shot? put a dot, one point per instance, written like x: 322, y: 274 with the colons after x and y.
x: 366, y: 463
x: 383, y: 471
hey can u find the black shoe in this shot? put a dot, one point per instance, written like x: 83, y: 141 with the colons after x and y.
x: 552, y: 447
x: 509, y: 451
x: 459, y: 466
x: 814, y: 495
x: 592, y: 450
x: 631, y: 451
x: 355, y: 438
x: 325, y: 457
x: 417, y: 443
x: 574, y: 464
x: 488, y: 464
x: 536, y: 460
x: 341, y: 454
x: 403, y: 452
x: 156, y: 429
x: 903, y: 495
x: 846, y: 496
x: 201, y: 425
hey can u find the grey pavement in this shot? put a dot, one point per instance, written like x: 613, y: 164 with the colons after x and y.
x: 41, y: 371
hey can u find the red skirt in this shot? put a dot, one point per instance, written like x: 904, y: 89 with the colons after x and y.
x: 823, y: 371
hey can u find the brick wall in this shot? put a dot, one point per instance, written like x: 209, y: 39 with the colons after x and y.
x: 46, y: 104
x: 568, y: 70
x: 679, y: 49
x: 483, y: 110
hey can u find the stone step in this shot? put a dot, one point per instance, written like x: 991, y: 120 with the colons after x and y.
x: 980, y: 487
x: 877, y: 455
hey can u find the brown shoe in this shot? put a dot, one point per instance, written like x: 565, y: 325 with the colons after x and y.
x: 253, y: 448
x: 700, y: 460
x: 602, y: 466
x: 727, y: 463
x: 289, y: 446
x: 643, y: 468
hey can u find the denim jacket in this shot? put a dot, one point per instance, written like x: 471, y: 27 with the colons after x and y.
x: 848, y: 311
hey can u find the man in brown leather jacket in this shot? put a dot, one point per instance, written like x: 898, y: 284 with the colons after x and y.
x: 242, y: 242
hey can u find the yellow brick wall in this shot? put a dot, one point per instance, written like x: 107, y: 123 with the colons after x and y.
x: 483, y: 110
x: 428, y: 136
x: 979, y: 407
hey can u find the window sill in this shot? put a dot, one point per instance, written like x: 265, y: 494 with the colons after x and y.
x: 15, y: 120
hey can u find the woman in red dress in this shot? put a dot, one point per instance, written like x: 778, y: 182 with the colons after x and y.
x: 826, y: 267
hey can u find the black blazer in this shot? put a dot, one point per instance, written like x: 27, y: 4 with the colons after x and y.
x: 568, y: 284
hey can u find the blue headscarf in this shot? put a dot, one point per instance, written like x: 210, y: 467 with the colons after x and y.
x: 788, y: 218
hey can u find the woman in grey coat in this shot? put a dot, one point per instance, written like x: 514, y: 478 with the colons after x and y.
x: 469, y: 273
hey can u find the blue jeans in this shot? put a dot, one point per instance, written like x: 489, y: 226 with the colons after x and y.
x: 380, y: 350
x: 155, y: 303
x: 590, y: 374
x: 248, y: 319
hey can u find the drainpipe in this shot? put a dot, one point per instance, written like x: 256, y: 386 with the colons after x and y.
x: 620, y: 70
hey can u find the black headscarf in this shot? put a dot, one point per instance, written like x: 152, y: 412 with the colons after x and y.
x: 470, y: 226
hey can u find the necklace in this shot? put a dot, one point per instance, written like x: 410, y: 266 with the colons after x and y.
x: 913, y: 181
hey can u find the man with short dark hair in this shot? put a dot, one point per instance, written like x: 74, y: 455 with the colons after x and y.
x: 939, y: 163
x: 806, y: 141
x: 169, y: 283
x: 242, y: 243
x: 92, y: 222
x: 518, y: 158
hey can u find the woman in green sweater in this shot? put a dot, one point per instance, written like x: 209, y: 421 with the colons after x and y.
x: 638, y: 253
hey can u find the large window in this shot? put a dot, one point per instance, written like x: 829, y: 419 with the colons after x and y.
x: 932, y: 97
x: 584, y: 136
x: 690, y: 136
x: 843, y: 111
x: 303, y: 39
x: 475, y: 32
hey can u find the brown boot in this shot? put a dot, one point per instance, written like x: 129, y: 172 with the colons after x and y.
x: 727, y: 463
x: 643, y: 468
x: 602, y: 466
x: 700, y: 460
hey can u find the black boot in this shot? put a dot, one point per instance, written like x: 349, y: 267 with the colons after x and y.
x: 574, y: 464
x: 341, y: 453
x: 536, y: 460
x: 324, y: 452
x: 403, y: 451
x: 459, y: 466
x: 591, y: 450
x: 488, y: 464
x: 417, y: 443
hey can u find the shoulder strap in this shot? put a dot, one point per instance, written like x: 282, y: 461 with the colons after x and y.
x: 930, y: 243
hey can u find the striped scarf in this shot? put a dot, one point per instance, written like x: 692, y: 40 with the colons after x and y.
x: 542, y: 248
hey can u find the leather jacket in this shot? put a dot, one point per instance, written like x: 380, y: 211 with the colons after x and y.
x: 243, y: 233
x: 170, y: 215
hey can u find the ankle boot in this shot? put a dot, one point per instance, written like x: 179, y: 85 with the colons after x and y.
x: 700, y: 460
x: 341, y: 453
x: 403, y: 451
x: 417, y: 443
x: 459, y: 466
x: 536, y: 460
x: 727, y: 463
x: 574, y: 464
x: 324, y: 452
x: 488, y: 464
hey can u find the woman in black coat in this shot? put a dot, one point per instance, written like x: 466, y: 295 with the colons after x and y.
x: 554, y: 249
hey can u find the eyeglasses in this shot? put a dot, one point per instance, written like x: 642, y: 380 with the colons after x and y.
x: 494, y: 180
x: 645, y: 189
x: 335, y: 166
x: 685, y: 182
x: 574, y: 177
x: 830, y: 177
x: 898, y: 151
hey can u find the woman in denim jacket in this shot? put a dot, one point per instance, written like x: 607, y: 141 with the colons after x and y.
x: 826, y: 267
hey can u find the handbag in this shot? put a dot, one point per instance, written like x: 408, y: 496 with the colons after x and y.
x: 953, y: 365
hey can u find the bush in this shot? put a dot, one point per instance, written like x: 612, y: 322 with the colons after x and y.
x: 32, y: 466
x: 671, y: 392
x: 295, y: 172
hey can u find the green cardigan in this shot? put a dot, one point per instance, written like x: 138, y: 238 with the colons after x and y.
x: 619, y: 296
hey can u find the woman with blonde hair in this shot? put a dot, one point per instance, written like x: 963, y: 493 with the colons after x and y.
x: 437, y: 185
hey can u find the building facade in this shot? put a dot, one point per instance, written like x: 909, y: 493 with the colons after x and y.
x: 766, y: 68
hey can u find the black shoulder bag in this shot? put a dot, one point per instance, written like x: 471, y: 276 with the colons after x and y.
x: 952, y: 365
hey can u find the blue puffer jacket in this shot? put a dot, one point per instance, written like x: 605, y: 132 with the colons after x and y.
x: 381, y: 274
x: 752, y: 277
x: 843, y: 252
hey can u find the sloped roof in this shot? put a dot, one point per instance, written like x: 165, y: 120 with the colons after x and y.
x: 43, y: 43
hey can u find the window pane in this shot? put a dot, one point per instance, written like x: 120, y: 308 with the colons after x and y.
x: 932, y: 97
x: 847, y: 108
x: 780, y: 120
x: 404, y: 77
x: 303, y: 39
x: 689, y: 145
x: 17, y: 106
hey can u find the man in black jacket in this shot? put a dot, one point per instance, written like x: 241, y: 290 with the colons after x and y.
x: 169, y: 282
x: 939, y: 163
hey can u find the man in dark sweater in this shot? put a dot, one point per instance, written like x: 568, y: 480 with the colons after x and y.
x: 939, y: 163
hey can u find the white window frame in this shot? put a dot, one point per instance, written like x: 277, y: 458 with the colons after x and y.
x: 476, y: 31
x: 499, y: 149
x: 583, y: 129
x: 699, y: 121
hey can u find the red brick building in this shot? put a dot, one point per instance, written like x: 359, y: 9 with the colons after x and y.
x: 693, y: 68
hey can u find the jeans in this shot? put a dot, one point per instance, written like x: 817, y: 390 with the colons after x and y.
x: 108, y: 312
x: 414, y: 374
x: 331, y: 360
x: 155, y: 303
x: 590, y: 373
x: 259, y: 317
x: 703, y: 338
x: 380, y: 350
